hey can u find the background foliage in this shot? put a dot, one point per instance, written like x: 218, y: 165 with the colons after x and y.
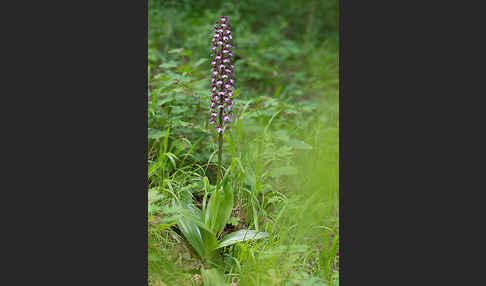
x: 282, y: 152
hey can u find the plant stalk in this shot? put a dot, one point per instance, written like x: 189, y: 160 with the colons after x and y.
x: 220, y: 146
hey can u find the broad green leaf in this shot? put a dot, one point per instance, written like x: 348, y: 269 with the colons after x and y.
x: 195, y: 232
x: 193, y: 235
x: 220, y: 206
x: 240, y: 236
x: 219, y: 209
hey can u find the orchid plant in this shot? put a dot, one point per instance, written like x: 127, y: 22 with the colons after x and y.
x: 203, y: 228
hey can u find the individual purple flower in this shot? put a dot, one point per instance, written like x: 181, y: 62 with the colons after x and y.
x: 222, y: 75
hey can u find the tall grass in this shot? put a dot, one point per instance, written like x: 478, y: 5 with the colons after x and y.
x: 299, y: 211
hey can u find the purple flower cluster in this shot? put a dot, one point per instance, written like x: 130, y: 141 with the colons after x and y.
x: 222, y: 80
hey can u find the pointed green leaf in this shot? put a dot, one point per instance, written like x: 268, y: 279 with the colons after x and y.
x: 197, y: 234
x: 241, y: 235
x: 219, y: 207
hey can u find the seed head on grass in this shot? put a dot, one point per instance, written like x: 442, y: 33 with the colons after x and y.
x: 221, y: 108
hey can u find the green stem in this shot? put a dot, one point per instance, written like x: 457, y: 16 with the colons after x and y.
x: 220, y: 147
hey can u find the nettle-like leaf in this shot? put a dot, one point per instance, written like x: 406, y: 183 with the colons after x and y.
x: 240, y: 236
x: 155, y: 134
x: 168, y: 65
